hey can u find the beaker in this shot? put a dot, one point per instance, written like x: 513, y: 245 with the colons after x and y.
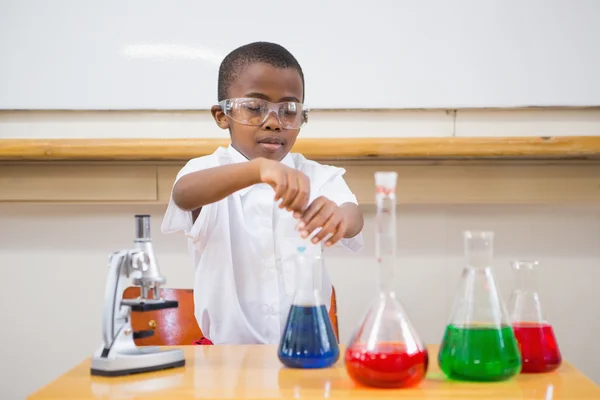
x: 385, y: 351
x: 308, y: 340
x: 537, y: 342
x: 479, y: 343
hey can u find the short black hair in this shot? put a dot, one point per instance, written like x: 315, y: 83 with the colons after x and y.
x: 257, y: 52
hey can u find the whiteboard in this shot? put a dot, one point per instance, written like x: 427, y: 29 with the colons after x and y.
x: 151, y: 54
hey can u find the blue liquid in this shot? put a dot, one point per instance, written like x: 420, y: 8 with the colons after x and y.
x: 308, y: 340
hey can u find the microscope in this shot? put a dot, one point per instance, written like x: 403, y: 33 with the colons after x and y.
x: 119, y: 354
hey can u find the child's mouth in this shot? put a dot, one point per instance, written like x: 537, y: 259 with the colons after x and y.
x: 271, y: 144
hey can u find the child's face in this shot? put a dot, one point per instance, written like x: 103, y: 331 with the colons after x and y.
x: 263, y: 81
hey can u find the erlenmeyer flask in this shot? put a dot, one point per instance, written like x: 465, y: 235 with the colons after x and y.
x: 308, y: 340
x: 385, y: 350
x: 537, y: 342
x: 479, y: 343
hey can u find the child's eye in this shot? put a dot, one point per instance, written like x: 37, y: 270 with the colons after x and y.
x: 290, y: 109
x: 252, y: 107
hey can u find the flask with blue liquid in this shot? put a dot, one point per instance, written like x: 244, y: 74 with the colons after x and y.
x: 308, y: 340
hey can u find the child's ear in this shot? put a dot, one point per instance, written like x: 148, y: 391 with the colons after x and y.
x: 220, y: 117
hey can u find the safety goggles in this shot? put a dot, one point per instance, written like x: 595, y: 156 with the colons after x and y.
x: 250, y: 111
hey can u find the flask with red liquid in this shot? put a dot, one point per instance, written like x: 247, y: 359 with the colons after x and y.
x: 385, y: 350
x: 536, y: 338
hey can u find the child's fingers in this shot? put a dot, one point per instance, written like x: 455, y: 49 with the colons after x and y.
x: 319, y: 219
x: 309, y: 213
x: 291, y: 190
x: 339, y: 234
x: 329, y: 228
x: 301, y: 200
x: 280, y: 185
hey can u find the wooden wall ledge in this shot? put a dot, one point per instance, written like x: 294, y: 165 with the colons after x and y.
x: 569, y: 147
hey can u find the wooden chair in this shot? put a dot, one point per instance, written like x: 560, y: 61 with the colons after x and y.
x: 171, y: 326
x: 178, y: 326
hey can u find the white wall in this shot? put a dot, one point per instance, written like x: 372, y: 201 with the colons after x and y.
x: 54, y: 262
x: 153, y: 54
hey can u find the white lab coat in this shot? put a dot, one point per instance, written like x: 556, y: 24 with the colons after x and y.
x: 243, y: 249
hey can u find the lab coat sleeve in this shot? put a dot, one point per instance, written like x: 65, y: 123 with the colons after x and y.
x: 178, y: 220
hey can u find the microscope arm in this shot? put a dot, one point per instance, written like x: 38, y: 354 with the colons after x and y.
x: 115, y: 286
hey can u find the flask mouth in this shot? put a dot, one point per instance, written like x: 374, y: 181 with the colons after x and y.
x: 479, y: 235
x: 385, y: 182
x: 524, y: 264
x: 526, y: 275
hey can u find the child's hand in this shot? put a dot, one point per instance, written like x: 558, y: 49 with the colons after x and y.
x: 325, y: 214
x: 291, y: 185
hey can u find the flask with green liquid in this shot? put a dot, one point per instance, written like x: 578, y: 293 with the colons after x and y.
x: 479, y: 343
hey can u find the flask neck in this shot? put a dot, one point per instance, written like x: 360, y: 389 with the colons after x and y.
x: 309, y: 279
x: 524, y: 304
x: 525, y: 275
x: 385, y: 243
x: 386, y: 278
x: 386, y: 239
x: 479, y: 249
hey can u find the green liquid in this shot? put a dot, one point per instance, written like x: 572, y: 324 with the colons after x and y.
x: 479, y: 353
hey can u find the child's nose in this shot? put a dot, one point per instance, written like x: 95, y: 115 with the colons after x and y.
x: 272, y: 122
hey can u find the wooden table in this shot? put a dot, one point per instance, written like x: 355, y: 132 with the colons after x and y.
x: 220, y: 372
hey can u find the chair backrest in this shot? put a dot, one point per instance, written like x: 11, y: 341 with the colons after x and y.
x: 172, y: 326
x: 333, y: 314
x: 178, y: 326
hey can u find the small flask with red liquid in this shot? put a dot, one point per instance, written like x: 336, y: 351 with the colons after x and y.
x: 385, y: 350
x: 536, y: 338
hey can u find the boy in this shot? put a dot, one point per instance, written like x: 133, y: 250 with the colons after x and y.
x: 245, y: 207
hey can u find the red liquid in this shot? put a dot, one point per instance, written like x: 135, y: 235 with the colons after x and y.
x: 538, y: 346
x: 387, y: 366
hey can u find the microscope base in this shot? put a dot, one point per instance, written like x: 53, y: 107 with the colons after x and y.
x: 135, y: 361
